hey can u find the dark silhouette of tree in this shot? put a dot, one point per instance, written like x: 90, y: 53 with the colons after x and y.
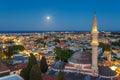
x: 35, y: 73
x: 61, y: 76
x: 25, y: 73
x: 64, y: 55
x: 13, y: 50
x: 2, y: 55
x: 57, y: 40
x: 41, y: 40
x: 57, y: 49
x: 32, y: 61
x: 106, y: 47
x: 43, y: 65
x: 9, y: 42
x: 116, y: 43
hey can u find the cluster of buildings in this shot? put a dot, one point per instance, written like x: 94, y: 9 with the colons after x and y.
x: 83, y: 62
x: 88, y: 62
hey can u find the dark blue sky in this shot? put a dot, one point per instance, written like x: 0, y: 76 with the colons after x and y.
x: 65, y: 14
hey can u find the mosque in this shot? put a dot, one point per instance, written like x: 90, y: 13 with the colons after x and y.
x: 83, y: 61
x: 87, y: 62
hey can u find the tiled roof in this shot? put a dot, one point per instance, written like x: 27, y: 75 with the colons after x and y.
x: 106, y: 71
x: 62, y: 43
x: 45, y: 77
x: 58, y: 65
x: 43, y: 54
x: 17, y: 67
x: 3, y: 67
x: 87, y: 67
x: 70, y: 65
x: 81, y: 58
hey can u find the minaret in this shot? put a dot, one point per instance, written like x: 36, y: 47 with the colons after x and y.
x: 94, y: 44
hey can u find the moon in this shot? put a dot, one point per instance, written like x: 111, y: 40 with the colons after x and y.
x: 48, y: 17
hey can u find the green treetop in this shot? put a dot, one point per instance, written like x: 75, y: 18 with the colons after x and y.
x: 35, y: 73
x: 13, y: 50
x: 25, y: 72
x: 43, y: 65
x: 61, y: 76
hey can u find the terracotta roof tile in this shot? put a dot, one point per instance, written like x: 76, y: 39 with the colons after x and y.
x: 45, y: 77
x: 17, y: 67
x: 70, y: 65
x: 3, y: 67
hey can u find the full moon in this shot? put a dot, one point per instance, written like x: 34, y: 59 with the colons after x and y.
x: 48, y: 17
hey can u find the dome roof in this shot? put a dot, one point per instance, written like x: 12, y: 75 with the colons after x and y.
x: 58, y: 65
x: 81, y: 57
x: 106, y: 71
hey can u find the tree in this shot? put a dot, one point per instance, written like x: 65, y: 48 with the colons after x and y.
x: 17, y: 47
x: 117, y: 43
x: 25, y: 73
x: 35, y: 73
x: 13, y: 50
x: 9, y: 41
x: 2, y: 55
x: 43, y: 65
x: 8, y: 53
x: 41, y: 40
x: 32, y: 61
x: 106, y: 47
x: 61, y: 76
x: 64, y: 55
x: 57, y: 49
x: 56, y: 40
x: 45, y: 37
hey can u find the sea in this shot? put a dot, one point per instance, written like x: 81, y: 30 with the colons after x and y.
x: 7, y: 32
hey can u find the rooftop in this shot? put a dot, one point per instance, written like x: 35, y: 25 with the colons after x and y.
x: 106, y: 71
x: 81, y: 58
x: 11, y: 77
x: 18, y: 66
x: 3, y: 67
x: 58, y: 65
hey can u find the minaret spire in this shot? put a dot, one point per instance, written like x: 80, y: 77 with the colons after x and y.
x: 95, y: 44
x: 94, y: 28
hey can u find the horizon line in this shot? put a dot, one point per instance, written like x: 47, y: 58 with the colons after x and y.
x: 57, y: 31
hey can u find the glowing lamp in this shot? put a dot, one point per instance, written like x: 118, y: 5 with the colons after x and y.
x: 113, y: 68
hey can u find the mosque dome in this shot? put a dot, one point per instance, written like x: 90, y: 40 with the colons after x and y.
x: 81, y: 57
x: 58, y: 65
